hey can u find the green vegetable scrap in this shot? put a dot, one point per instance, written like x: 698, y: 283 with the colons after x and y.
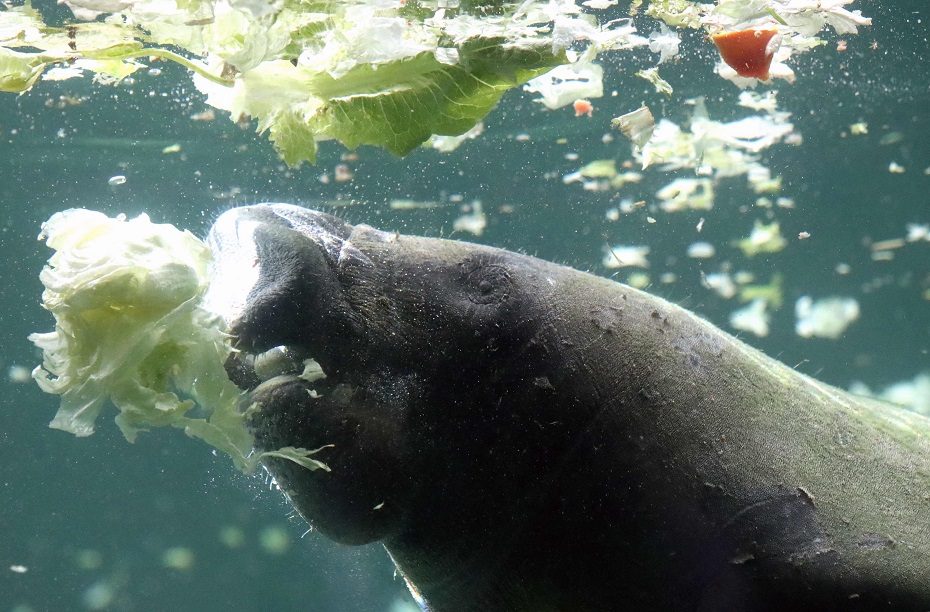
x: 389, y: 73
x: 129, y: 329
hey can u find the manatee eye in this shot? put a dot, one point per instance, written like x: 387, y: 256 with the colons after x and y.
x: 486, y: 282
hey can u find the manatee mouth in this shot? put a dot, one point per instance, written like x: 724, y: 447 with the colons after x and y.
x: 276, y: 365
x: 273, y: 264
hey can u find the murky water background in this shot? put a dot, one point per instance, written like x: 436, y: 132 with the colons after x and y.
x: 97, y: 523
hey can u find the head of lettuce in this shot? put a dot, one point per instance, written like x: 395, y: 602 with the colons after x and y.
x: 131, y: 331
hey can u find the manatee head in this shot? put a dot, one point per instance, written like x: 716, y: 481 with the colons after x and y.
x: 432, y: 351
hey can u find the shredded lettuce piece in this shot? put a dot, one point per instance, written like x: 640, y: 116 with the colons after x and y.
x: 652, y: 75
x: 715, y: 148
x: 824, y: 318
x: 565, y: 84
x: 764, y: 238
x: 130, y: 330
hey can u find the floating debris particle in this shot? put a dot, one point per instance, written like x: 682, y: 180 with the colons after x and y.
x: 567, y: 84
x: 406, y: 204
x: 626, y: 256
x: 637, y: 125
x: 638, y: 280
x: 917, y: 232
x: 913, y: 394
x: 665, y: 42
x: 447, y: 144
x: 274, y: 540
x: 687, y: 193
x: 175, y: 148
x: 895, y: 168
x: 583, y: 107
x: 19, y: 569
x: 826, y: 318
x: 473, y: 222
x: 764, y: 238
x: 887, y: 245
x: 18, y: 374
x: 891, y: 138
x: 652, y: 75
x: 342, y: 173
x: 772, y: 293
x: 701, y: 250
x: 178, y: 558
x: 99, y: 595
x: 720, y: 283
x: 207, y: 115
x: 859, y: 129
x: 804, y: 235
x: 119, y: 179
x: 232, y: 536
x: 753, y: 318
x: 88, y: 559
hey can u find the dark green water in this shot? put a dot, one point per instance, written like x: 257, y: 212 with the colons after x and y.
x: 91, y: 520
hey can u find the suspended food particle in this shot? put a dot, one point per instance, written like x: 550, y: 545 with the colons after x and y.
x: 583, y: 107
x: 826, y: 318
x: 178, y: 558
x: 748, y: 52
x: 207, y: 115
x: 343, y: 173
x: 804, y: 235
x: 274, y: 540
x: 18, y: 374
x: 623, y: 256
x: 636, y: 125
x: 701, y: 250
x: 753, y: 318
x: 859, y: 128
x: 119, y: 179
x: 232, y: 537
x: 895, y: 168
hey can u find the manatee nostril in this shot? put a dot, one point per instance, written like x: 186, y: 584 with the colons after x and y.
x: 486, y: 283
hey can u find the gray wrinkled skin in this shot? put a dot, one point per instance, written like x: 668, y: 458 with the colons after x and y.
x: 524, y: 436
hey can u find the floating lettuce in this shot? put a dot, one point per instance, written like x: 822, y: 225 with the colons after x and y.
x: 388, y: 73
x: 384, y: 73
x: 130, y: 330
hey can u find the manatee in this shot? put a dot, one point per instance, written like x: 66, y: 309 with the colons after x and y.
x: 524, y: 436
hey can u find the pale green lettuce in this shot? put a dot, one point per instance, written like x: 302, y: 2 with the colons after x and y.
x: 130, y: 330
x: 388, y: 73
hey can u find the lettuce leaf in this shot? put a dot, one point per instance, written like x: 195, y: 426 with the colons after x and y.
x: 130, y: 330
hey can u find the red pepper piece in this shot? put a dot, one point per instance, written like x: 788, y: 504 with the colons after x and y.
x: 747, y: 51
